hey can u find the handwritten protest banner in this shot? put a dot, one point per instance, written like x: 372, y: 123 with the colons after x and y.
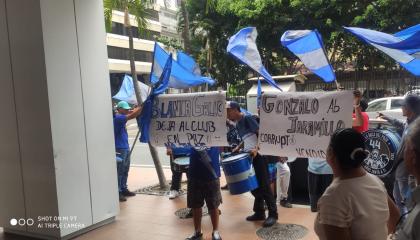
x: 189, y: 119
x: 300, y: 124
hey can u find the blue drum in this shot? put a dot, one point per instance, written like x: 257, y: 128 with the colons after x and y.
x: 382, y: 145
x: 239, y: 173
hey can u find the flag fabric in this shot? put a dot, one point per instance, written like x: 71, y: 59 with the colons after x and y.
x: 188, y: 63
x: 127, y: 93
x: 182, y: 75
x: 403, y: 46
x: 158, y: 88
x: 243, y: 47
x: 308, y: 47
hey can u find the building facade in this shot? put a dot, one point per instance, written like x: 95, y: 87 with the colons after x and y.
x: 162, y: 24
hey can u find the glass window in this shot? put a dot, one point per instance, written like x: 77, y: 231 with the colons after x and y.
x: 377, y: 106
x: 397, y: 103
x: 123, y: 54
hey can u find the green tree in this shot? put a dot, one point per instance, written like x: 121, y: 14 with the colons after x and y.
x: 138, y: 9
x: 273, y: 17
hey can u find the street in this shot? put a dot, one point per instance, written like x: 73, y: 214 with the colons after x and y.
x: 141, y: 153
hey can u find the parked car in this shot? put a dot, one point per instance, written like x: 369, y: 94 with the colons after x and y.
x: 390, y: 106
x: 414, y: 90
x: 376, y: 93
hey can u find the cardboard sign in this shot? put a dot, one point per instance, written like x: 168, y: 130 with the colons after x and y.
x: 189, y: 119
x: 300, y: 124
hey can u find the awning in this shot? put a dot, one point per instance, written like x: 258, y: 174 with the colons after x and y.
x: 288, y: 86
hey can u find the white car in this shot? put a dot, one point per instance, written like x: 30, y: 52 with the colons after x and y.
x: 389, y: 106
x: 414, y: 90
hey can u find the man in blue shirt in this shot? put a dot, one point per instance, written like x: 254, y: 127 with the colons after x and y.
x: 204, y: 185
x: 122, y: 148
x: 248, y: 128
x: 402, y: 191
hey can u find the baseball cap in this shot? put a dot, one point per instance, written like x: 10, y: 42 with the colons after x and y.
x: 232, y: 104
x: 123, y: 105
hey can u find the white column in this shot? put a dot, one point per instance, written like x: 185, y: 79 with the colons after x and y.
x: 58, y: 133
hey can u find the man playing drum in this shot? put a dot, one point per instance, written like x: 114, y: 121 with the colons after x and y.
x: 247, y: 128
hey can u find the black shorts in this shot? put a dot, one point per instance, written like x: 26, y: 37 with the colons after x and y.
x: 199, y: 191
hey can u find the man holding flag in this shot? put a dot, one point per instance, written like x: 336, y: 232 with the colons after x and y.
x: 122, y: 148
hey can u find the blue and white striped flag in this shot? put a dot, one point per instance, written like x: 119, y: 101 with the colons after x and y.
x: 127, y: 93
x: 403, y: 46
x: 181, y: 74
x: 308, y: 47
x: 143, y: 121
x: 243, y: 47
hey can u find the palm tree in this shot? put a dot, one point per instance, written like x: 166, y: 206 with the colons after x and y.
x: 186, y: 29
x: 138, y: 9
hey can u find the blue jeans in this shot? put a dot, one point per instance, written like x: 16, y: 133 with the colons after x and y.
x: 122, y: 169
x: 401, y: 194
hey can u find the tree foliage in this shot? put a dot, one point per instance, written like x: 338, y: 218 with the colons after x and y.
x: 212, y: 22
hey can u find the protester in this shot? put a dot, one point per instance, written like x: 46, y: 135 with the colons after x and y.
x: 283, y: 181
x: 204, y: 185
x: 248, y: 130
x: 410, y: 228
x: 124, y: 113
x: 411, y: 110
x: 174, y: 153
x: 320, y: 176
x: 360, y: 117
x: 234, y: 141
x: 356, y: 204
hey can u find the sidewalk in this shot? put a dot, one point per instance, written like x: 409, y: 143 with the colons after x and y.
x: 153, y: 217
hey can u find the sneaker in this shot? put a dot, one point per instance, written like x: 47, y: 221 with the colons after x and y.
x: 173, y: 194
x: 270, y: 221
x: 195, y: 236
x: 189, y: 213
x: 216, y: 236
x: 256, y: 217
x: 284, y: 203
x: 128, y: 193
x: 122, y: 198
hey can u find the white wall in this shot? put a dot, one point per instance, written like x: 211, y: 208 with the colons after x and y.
x: 97, y: 104
x: 32, y: 111
x: 10, y: 167
x: 66, y: 111
x: 57, y: 136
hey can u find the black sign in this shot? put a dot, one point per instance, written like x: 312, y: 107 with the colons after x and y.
x: 382, y: 146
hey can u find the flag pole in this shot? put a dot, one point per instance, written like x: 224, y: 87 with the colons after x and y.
x: 337, y: 85
x: 259, y: 91
x: 134, y: 143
